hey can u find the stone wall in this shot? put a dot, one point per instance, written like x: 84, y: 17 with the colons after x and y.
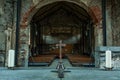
x: 95, y: 6
x: 29, y: 7
x: 2, y: 25
x: 116, y: 22
x: 7, y: 18
x: 7, y: 23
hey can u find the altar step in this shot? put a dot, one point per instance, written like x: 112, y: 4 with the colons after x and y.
x: 81, y: 60
x: 41, y: 60
x: 75, y: 60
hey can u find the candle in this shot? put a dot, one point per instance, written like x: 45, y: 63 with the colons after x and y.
x: 108, y: 59
x: 11, y: 58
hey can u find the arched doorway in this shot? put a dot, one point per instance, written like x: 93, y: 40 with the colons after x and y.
x: 64, y: 21
x: 79, y: 20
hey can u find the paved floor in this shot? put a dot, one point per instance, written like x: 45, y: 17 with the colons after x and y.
x: 65, y: 61
x: 39, y: 73
x: 46, y: 74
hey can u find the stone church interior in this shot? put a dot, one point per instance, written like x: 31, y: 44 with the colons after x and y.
x: 33, y: 30
x: 66, y: 22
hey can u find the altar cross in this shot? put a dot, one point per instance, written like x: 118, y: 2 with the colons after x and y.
x: 60, y: 67
x: 60, y: 49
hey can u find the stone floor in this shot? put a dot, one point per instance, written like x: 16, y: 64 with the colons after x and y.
x: 45, y: 73
x: 65, y: 61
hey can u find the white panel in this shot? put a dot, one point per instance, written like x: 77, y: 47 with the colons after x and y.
x: 108, y: 59
x: 11, y: 58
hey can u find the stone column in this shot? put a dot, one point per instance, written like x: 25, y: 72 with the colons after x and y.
x: 8, y: 42
x: 24, y: 47
x: 98, y: 35
x: 108, y: 26
x: 27, y: 46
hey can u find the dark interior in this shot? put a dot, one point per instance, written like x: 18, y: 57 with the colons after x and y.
x: 61, y: 21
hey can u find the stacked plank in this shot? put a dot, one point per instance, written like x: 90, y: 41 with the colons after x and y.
x: 41, y: 60
x: 80, y: 60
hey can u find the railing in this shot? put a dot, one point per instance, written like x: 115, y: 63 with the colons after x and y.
x: 100, y: 56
